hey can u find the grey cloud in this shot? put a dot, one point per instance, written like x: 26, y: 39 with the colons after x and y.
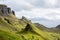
x: 37, y: 3
x: 18, y: 7
x: 21, y: 7
x: 38, y: 19
x: 58, y: 4
x: 1, y: 0
x: 53, y: 14
x: 43, y: 4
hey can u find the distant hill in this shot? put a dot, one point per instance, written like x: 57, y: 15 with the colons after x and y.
x: 58, y: 26
x: 56, y: 29
x: 12, y: 28
x: 40, y: 26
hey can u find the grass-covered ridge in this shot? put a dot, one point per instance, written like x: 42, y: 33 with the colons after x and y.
x: 12, y: 28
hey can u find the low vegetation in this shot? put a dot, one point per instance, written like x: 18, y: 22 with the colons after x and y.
x: 12, y: 28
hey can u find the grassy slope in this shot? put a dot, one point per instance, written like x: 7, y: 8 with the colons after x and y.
x: 45, y: 35
x: 8, y: 36
x: 13, y: 31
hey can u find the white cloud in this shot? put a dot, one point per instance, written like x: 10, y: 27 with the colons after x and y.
x: 50, y: 14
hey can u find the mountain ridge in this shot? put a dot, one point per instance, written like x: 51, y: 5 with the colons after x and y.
x: 12, y: 28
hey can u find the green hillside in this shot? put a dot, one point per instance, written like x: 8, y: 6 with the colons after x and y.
x: 12, y: 28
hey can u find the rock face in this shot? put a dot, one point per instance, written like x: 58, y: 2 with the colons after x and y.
x: 58, y: 26
x: 4, y: 10
x: 28, y: 27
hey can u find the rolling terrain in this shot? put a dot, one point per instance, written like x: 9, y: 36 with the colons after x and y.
x: 12, y: 28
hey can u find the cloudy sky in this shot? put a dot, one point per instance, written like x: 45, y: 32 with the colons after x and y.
x: 46, y: 12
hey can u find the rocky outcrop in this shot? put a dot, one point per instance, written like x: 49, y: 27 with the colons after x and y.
x: 40, y: 26
x: 58, y: 26
x: 28, y: 27
x: 4, y: 10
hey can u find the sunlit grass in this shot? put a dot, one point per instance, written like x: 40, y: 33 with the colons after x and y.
x: 11, y: 29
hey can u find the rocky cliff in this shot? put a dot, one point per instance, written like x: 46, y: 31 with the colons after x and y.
x: 4, y: 10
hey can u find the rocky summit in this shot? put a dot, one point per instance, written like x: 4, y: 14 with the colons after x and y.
x: 12, y: 28
x: 4, y: 10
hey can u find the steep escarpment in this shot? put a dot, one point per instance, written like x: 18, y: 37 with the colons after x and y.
x: 5, y: 11
x: 12, y: 28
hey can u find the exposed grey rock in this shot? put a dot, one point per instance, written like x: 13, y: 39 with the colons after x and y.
x: 9, y: 10
x: 13, y: 12
x: 58, y: 26
x: 4, y: 10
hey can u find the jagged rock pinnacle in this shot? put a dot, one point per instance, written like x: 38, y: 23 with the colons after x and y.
x: 4, y: 10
